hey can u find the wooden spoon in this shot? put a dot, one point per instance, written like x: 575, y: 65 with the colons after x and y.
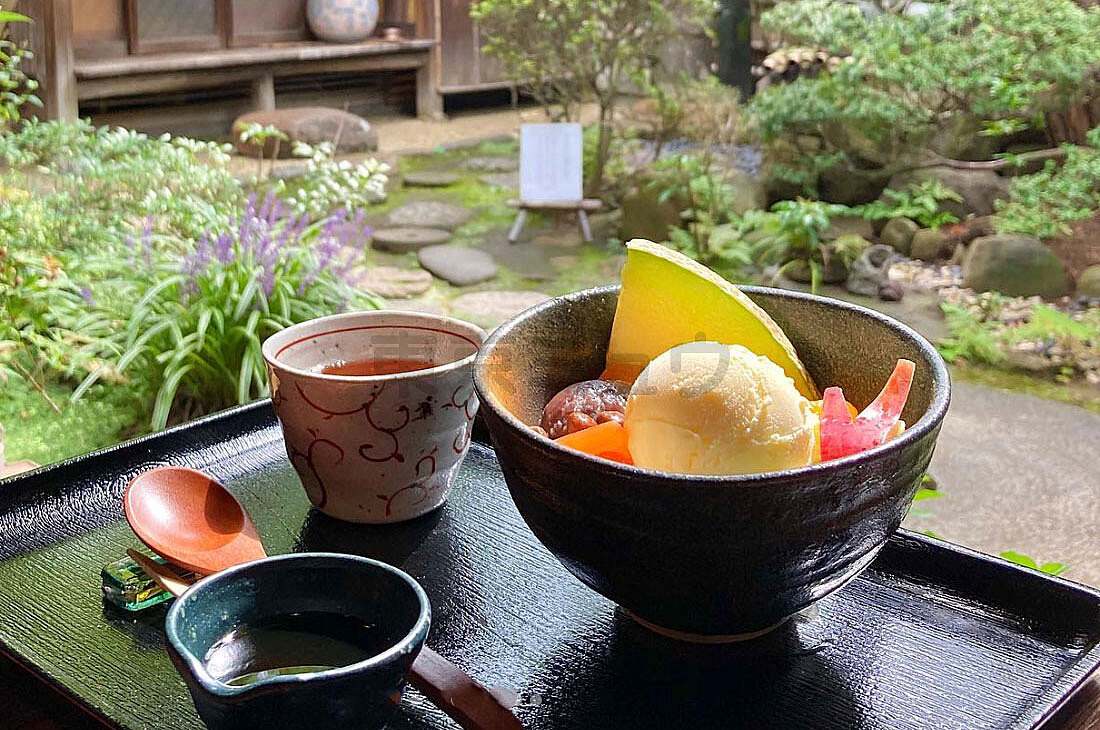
x: 193, y: 521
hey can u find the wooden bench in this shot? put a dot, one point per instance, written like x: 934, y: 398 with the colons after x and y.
x: 257, y: 66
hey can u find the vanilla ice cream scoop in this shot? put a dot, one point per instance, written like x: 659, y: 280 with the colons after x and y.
x: 708, y: 408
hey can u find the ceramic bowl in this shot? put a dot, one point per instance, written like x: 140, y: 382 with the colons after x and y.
x: 700, y: 557
x: 380, y: 448
x: 361, y: 695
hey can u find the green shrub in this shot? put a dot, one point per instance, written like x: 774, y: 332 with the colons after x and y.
x: 792, y: 232
x: 705, y: 235
x: 919, y: 202
x: 971, y: 338
x: 327, y: 184
x: 991, y: 66
x: 1045, y: 203
x: 194, y: 331
x: 99, y: 185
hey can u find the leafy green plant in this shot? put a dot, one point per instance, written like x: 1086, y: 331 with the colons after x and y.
x: 1028, y: 562
x: 1045, y: 203
x: 257, y: 134
x: 917, y: 201
x: 970, y: 338
x: 329, y: 184
x: 692, y: 181
x: 567, y: 51
x: 194, y: 331
x: 100, y: 185
x: 954, y: 71
x: 16, y: 88
x: 792, y: 232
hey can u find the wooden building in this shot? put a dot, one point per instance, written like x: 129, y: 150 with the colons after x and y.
x: 91, y: 52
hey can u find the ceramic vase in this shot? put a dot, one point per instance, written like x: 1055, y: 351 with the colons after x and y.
x: 342, y: 21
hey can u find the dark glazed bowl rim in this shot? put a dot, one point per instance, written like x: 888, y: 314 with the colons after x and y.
x: 937, y: 407
x: 414, y: 637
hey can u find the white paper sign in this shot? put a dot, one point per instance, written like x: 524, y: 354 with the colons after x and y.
x: 550, y: 162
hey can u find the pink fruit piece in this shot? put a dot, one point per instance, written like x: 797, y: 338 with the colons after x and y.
x: 841, y: 435
x: 583, y: 405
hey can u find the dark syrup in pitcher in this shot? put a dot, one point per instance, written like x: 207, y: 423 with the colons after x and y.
x: 295, y: 643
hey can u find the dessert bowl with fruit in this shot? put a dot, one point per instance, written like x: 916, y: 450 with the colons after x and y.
x: 668, y: 442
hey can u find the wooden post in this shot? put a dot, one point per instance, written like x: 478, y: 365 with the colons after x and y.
x: 51, y: 40
x: 429, y: 102
x: 263, y: 92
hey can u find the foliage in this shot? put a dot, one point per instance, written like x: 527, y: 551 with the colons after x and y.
x: 917, y: 201
x: 99, y: 185
x: 257, y: 134
x: 1028, y: 562
x: 328, y: 184
x: 567, y: 51
x: 194, y: 330
x: 42, y: 327
x: 792, y: 232
x: 1045, y: 203
x: 982, y: 65
x: 16, y: 88
x: 970, y: 338
x: 691, y: 180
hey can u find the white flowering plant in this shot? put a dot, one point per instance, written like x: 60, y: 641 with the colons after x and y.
x: 329, y: 184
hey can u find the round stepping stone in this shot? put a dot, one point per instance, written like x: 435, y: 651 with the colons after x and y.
x: 459, y: 265
x: 508, y: 180
x: 492, y: 164
x: 494, y: 307
x: 401, y: 240
x: 431, y: 179
x: 429, y: 214
x: 394, y: 283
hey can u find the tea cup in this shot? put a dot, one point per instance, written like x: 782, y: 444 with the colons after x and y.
x: 376, y: 447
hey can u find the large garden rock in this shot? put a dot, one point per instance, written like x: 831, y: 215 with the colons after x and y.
x: 1088, y: 284
x: 458, y: 265
x: 978, y: 188
x: 932, y: 244
x: 309, y: 124
x: 646, y: 217
x: 834, y: 273
x: 849, y: 225
x: 840, y: 184
x: 870, y: 271
x: 898, y: 234
x: 1014, y: 264
x: 424, y: 213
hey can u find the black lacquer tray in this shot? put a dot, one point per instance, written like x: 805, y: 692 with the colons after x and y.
x: 930, y: 636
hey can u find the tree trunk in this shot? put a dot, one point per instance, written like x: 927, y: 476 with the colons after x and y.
x: 735, y: 46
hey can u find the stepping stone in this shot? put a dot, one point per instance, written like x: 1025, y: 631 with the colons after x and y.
x: 530, y: 262
x: 459, y: 265
x: 392, y: 282
x: 431, y: 179
x: 401, y: 240
x: 429, y: 214
x: 492, y: 164
x: 508, y: 180
x: 490, y: 308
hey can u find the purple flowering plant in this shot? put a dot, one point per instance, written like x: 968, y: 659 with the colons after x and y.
x: 196, y: 331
